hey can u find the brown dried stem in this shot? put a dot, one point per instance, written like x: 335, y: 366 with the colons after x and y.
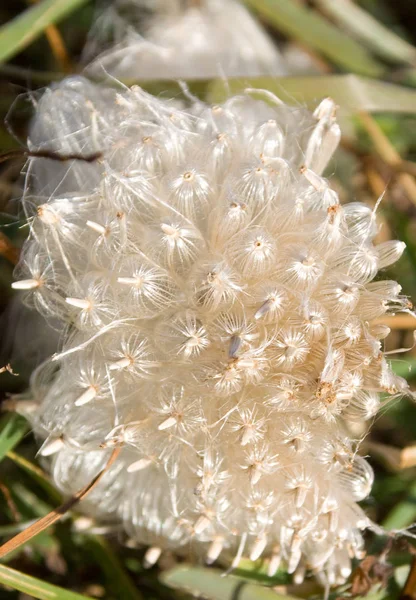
x: 57, y: 45
x: 20, y: 153
x: 10, y: 503
x: 388, y: 154
x: 402, y: 321
x: 409, y: 591
x: 56, y: 514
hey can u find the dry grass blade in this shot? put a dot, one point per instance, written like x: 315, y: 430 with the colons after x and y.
x: 57, y: 513
x: 388, y: 153
x: 19, y: 33
x: 57, y: 46
x: 408, y: 457
x: 10, y: 502
x: 350, y: 92
x: 396, y: 459
x: 49, y: 154
x: 409, y: 591
x: 10, y: 252
x: 407, y: 166
x: 403, y: 321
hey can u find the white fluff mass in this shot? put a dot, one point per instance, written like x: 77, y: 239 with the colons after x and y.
x: 220, y: 322
x: 192, y: 39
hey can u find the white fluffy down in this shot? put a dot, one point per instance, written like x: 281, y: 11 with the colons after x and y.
x: 183, y: 39
x: 219, y: 316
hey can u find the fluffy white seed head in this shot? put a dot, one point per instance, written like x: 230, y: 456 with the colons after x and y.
x: 219, y: 320
x: 212, y: 37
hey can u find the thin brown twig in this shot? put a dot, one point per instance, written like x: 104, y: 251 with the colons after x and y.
x: 20, y: 153
x: 56, y: 514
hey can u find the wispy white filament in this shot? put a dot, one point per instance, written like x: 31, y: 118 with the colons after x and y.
x: 219, y: 311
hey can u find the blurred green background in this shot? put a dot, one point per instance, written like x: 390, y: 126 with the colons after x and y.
x: 320, y: 39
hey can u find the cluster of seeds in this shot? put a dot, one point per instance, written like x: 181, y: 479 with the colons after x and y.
x: 220, y: 322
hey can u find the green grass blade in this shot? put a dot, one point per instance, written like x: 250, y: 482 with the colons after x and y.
x: 38, y: 475
x: 405, y: 368
x: 21, y: 31
x: 118, y: 580
x: 350, y: 92
x: 256, y: 572
x: 377, y: 595
x: 35, y: 588
x: 210, y: 583
x: 308, y: 27
x: 351, y: 17
x: 404, y: 513
x: 12, y: 429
